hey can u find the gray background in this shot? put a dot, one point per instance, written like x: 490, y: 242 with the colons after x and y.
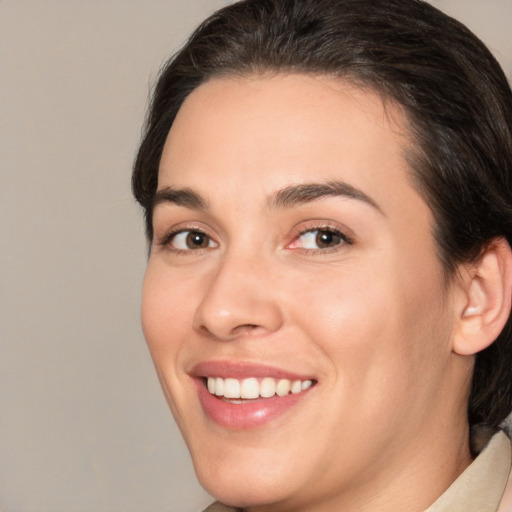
x: 83, y: 425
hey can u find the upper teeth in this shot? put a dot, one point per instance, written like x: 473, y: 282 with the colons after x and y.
x: 254, y: 388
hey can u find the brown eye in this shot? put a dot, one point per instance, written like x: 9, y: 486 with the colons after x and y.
x: 325, y: 239
x: 197, y: 240
x: 191, y: 240
x: 320, y: 239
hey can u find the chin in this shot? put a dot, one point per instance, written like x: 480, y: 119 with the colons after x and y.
x: 248, y: 493
x: 243, y: 481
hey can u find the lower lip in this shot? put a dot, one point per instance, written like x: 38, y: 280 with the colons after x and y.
x: 250, y: 413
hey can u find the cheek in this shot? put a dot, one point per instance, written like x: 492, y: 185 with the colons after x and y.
x: 163, y: 311
x: 165, y: 317
x: 378, y: 325
x: 341, y: 307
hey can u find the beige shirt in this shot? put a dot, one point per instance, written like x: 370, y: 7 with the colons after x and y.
x: 481, y: 488
x: 485, y: 486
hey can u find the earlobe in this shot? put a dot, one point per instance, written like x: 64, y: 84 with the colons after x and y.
x: 487, y: 299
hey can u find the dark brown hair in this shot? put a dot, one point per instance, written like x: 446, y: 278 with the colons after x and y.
x: 454, y: 93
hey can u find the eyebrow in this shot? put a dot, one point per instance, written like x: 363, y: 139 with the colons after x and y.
x: 308, y: 192
x: 288, y: 197
x: 185, y: 197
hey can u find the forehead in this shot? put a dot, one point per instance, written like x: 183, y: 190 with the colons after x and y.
x: 261, y: 133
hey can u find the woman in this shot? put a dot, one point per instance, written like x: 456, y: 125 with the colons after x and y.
x: 327, y: 191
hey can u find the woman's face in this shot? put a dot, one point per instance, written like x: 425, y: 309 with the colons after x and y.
x: 292, y: 256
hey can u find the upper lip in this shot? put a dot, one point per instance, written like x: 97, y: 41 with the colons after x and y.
x: 242, y: 370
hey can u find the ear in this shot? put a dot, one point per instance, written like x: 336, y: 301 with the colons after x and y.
x: 484, y: 306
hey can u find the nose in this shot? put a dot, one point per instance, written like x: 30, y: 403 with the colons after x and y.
x: 240, y: 299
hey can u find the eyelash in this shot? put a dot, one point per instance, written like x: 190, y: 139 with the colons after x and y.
x: 344, y: 239
x: 169, y: 237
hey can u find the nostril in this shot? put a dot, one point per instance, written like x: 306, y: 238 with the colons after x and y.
x: 239, y: 330
x: 245, y: 328
x: 203, y: 330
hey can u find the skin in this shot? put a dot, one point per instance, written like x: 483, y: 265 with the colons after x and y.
x: 372, y: 319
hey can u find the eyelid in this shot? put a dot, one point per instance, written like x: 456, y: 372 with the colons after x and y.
x: 164, y: 241
x: 344, y: 233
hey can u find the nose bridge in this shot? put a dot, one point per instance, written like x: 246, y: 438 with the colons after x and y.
x: 238, y: 298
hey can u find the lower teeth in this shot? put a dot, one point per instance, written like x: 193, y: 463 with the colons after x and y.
x: 239, y: 400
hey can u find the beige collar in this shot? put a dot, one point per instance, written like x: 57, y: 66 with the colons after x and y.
x: 481, y: 487
x: 219, y: 507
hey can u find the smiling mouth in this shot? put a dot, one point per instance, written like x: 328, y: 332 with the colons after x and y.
x: 238, y: 390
